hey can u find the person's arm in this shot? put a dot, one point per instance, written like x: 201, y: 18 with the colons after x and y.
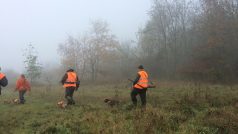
x: 64, y: 79
x: 4, y: 81
x: 77, y: 82
x: 136, y: 79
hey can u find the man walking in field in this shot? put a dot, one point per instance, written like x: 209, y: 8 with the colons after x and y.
x: 70, y: 81
x: 3, y: 80
x: 22, y: 86
x: 140, y: 86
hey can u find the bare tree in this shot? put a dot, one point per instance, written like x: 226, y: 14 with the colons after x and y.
x: 87, y: 53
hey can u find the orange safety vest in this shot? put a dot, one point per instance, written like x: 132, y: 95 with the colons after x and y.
x: 1, y: 76
x: 23, y: 84
x: 143, y: 81
x: 71, y: 80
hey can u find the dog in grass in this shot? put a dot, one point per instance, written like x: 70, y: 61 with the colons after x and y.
x: 62, y: 104
x: 12, y: 101
x: 111, y: 102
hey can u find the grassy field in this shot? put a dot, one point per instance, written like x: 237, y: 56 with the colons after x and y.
x: 180, y: 108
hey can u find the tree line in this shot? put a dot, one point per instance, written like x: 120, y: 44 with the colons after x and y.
x: 182, y: 40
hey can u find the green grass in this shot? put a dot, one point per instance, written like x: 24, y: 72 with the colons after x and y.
x: 179, y: 108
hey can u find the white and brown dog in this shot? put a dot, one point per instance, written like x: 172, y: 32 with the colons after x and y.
x: 61, y: 104
x: 12, y: 101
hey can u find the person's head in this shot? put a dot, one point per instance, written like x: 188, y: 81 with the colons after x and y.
x: 70, y: 69
x: 23, y: 76
x: 140, y: 67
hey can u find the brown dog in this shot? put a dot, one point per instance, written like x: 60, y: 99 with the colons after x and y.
x: 111, y: 102
x: 61, y: 104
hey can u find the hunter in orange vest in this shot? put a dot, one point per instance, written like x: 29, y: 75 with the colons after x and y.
x: 140, y: 86
x: 3, y: 81
x: 22, y: 85
x: 71, y: 82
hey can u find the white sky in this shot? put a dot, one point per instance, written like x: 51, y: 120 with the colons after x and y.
x: 46, y: 23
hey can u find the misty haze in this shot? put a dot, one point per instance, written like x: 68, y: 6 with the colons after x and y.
x: 119, y: 66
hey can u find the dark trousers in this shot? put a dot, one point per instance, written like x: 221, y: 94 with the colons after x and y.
x: 142, y: 94
x: 69, y: 92
x: 21, y: 96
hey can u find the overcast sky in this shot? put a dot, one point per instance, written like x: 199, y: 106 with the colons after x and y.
x: 46, y: 23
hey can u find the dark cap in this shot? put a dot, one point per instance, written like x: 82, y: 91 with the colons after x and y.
x: 140, y: 67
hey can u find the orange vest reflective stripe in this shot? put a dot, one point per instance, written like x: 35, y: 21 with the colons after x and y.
x: 71, y: 80
x: 1, y: 76
x: 143, y: 81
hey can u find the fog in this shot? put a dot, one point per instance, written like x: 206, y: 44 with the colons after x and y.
x: 45, y: 24
x: 107, y: 40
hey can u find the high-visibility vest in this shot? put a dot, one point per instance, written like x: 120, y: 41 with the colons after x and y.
x: 23, y: 84
x: 143, y: 81
x: 71, y: 80
x: 1, y: 76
